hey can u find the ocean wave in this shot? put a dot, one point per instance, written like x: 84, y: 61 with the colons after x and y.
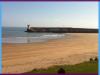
x: 29, y: 39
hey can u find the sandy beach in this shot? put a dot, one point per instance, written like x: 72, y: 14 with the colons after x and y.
x: 20, y: 58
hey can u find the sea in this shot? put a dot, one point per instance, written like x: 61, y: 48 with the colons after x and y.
x: 18, y: 35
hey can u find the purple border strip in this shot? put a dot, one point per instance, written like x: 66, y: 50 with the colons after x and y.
x: 52, y: 74
x: 56, y: 74
x: 49, y: 0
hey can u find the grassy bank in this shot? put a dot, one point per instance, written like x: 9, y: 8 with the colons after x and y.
x: 86, y: 67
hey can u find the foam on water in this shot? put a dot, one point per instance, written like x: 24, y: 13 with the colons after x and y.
x: 30, y: 39
x: 17, y: 35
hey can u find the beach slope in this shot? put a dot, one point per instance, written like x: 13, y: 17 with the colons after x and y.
x: 79, y: 47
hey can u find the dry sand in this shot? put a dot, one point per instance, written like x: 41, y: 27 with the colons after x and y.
x: 19, y: 58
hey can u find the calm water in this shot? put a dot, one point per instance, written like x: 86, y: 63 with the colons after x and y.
x: 17, y: 35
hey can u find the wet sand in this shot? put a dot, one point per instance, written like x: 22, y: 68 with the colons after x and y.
x: 19, y: 58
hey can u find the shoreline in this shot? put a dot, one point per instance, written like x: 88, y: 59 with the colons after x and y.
x: 49, y: 40
x: 32, y: 39
x: 19, y: 58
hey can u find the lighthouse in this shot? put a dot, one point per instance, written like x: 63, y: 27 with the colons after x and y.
x: 28, y: 27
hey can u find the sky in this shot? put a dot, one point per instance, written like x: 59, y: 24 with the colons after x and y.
x: 50, y: 14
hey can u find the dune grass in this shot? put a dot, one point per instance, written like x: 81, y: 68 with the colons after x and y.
x: 85, y: 67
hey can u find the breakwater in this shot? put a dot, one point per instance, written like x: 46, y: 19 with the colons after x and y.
x: 61, y: 30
